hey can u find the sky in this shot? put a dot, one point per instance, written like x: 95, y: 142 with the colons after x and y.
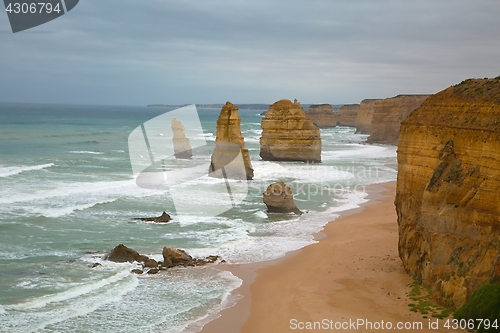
x: 139, y: 52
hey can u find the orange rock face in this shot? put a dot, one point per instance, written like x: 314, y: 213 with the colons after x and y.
x: 229, y: 143
x: 388, y: 115
x: 448, y: 190
x: 288, y: 135
x: 365, y: 116
x: 322, y: 115
x: 348, y: 115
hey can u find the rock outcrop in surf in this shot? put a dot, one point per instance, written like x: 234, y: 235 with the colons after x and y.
x: 230, y: 159
x: 182, y: 145
x: 279, y: 199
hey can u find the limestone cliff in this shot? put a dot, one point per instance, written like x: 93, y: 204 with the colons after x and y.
x: 448, y: 189
x: 322, y: 115
x: 279, y: 199
x: 229, y: 144
x: 365, y: 116
x: 348, y: 115
x: 388, y: 115
x: 288, y: 135
x: 182, y: 145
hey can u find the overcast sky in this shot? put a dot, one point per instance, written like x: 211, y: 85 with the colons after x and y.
x: 138, y: 52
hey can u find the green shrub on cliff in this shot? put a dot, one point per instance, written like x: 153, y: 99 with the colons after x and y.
x: 484, y: 304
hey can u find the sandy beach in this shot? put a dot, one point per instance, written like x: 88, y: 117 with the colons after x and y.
x: 352, y: 275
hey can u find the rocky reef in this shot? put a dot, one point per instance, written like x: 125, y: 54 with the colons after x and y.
x: 163, y: 218
x: 322, y: 115
x: 182, y: 145
x: 388, y: 114
x: 288, y: 135
x: 226, y: 160
x: 365, y: 116
x: 348, y: 115
x: 171, y: 258
x: 279, y: 199
x: 448, y: 187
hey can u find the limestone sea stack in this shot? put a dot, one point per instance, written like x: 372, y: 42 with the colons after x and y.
x: 182, y: 145
x: 348, y: 115
x: 388, y: 115
x: 322, y: 115
x: 288, y: 135
x: 230, y: 159
x: 448, y: 187
x: 365, y: 116
x: 279, y: 199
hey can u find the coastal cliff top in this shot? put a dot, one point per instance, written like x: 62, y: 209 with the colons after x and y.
x: 472, y: 104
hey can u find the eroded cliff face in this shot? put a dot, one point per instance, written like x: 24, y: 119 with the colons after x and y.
x: 288, y: 135
x: 448, y: 190
x: 348, y: 115
x: 229, y: 143
x: 388, y: 115
x: 365, y: 116
x: 322, y: 115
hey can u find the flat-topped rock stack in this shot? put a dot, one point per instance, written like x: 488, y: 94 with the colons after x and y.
x: 388, y: 114
x: 322, y: 115
x: 348, y: 115
x: 288, y: 134
x: 230, y: 159
x: 365, y: 116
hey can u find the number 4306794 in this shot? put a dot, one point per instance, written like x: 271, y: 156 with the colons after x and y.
x: 32, y: 8
x: 471, y: 324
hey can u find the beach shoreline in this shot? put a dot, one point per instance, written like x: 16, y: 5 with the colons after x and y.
x: 352, y: 273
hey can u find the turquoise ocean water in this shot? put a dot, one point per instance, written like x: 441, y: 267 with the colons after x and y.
x: 68, y: 196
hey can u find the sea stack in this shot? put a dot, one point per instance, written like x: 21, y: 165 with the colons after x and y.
x: 388, y: 114
x: 182, y: 145
x: 230, y: 159
x: 448, y: 186
x: 322, y: 115
x: 279, y: 199
x: 348, y: 115
x: 288, y: 134
x: 365, y: 116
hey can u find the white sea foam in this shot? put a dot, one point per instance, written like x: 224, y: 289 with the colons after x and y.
x: 74, y: 292
x: 85, y: 152
x: 7, y: 171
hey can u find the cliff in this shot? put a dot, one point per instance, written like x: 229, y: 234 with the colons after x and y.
x: 388, y: 115
x: 182, y: 145
x: 322, y: 115
x: 448, y: 187
x: 288, y: 135
x: 229, y: 143
x: 348, y: 115
x: 365, y: 116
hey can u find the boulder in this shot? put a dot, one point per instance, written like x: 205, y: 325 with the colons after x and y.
x: 230, y: 159
x: 151, y: 263
x: 175, y: 257
x: 279, y: 199
x: 121, y: 253
x: 288, y: 134
x: 182, y: 145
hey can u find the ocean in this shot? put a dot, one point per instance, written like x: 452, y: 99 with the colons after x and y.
x: 68, y: 196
